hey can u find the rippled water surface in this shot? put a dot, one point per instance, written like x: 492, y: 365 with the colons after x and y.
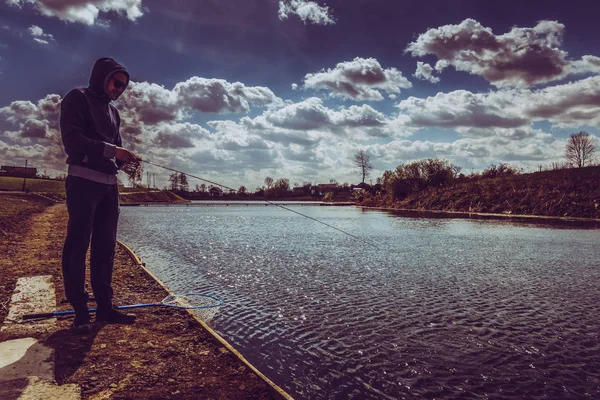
x: 440, y: 308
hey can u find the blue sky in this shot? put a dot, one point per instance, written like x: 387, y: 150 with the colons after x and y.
x: 235, y: 91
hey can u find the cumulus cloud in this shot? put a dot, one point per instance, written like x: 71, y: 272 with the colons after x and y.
x: 570, y: 105
x: 39, y: 156
x: 33, y: 128
x: 425, y: 72
x: 360, y: 79
x: 32, y: 118
x: 311, y: 114
x: 512, y: 134
x: 474, y: 152
x: 19, y: 110
x: 220, y: 96
x: 152, y: 117
x: 308, y: 140
x: 232, y: 136
x: 574, y: 104
x: 521, y: 57
x: 178, y: 135
x: 82, y: 11
x: 308, y: 11
x: 39, y: 36
x: 440, y: 65
x: 462, y: 108
x: 31, y: 131
x: 587, y: 64
x: 150, y: 103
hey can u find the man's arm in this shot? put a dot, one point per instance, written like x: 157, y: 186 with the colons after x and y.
x: 123, y: 157
x: 73, y: 109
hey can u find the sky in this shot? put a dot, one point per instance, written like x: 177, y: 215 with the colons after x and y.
x: 235, y: 91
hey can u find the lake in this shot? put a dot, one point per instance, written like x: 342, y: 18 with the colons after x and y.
x: 441, y: 308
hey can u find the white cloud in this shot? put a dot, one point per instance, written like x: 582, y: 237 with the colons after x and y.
x: 39, y: 36
x: 521, y: 57
x: 149, y: 103
x: 538, y: 148
x: 177, y: 135
x: 587, y: 64
x: 308, y: 11
x: 45, y: 109
x: 440, y: 65
x: 425, y: 72
x: 461, y: 108
x: 82, y: 11
x: 308, y: 141
x: 36, y: 134
x: 312, y: 115
x: 220, y: 96
x: 574, y: 104
x: 360, y: 79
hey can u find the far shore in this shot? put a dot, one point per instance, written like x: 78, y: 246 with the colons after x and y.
x: 479, y: 215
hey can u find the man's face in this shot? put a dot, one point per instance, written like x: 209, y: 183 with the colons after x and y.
x: 116, y: 85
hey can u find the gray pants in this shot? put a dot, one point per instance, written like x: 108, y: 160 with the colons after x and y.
x: 93, y: 213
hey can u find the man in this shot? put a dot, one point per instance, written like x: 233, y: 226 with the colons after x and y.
x: 89, y: 126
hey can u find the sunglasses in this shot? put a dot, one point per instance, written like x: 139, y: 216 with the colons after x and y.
x: 119, y: 84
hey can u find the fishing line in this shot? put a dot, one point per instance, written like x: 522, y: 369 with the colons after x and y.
x: 267, y: 201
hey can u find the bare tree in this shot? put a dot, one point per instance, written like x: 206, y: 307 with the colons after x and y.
x: 183, y: 183
x: 268, y: 182
x: 362, y: 162
x: 580, y: 149
x: 174, y: 181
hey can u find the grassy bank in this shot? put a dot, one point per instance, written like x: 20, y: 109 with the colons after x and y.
x: 563, y: 193
x: 153, y: 196
x: 55, y: 190
x: 9, y: 183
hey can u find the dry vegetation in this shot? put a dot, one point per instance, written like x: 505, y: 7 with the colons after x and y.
x: 155, y: 196
x: 9, y: 183
x: 562, y: 193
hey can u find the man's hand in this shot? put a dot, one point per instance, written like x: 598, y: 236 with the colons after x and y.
x: 125, y: 155
x: 131, y: 169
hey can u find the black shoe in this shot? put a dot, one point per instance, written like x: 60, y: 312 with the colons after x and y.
x: 113, y: 316
x: 81, y: 323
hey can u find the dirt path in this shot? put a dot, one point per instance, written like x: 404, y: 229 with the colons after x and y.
x: 165, y: 354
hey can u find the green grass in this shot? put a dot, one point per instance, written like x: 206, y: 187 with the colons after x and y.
x: 43, y: 185
x: 32, y: 185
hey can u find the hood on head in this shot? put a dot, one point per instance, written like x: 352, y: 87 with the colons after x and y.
x: 103, y: 69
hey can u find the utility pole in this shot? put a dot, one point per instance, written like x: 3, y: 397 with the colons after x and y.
x: 24, y: 176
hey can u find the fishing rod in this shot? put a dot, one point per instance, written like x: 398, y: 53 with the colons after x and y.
x: 267, y: 201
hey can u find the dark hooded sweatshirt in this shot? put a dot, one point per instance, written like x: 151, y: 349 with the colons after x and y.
x: 89, y: 126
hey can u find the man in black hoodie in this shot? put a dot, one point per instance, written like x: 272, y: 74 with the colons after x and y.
x: 89, y: 126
